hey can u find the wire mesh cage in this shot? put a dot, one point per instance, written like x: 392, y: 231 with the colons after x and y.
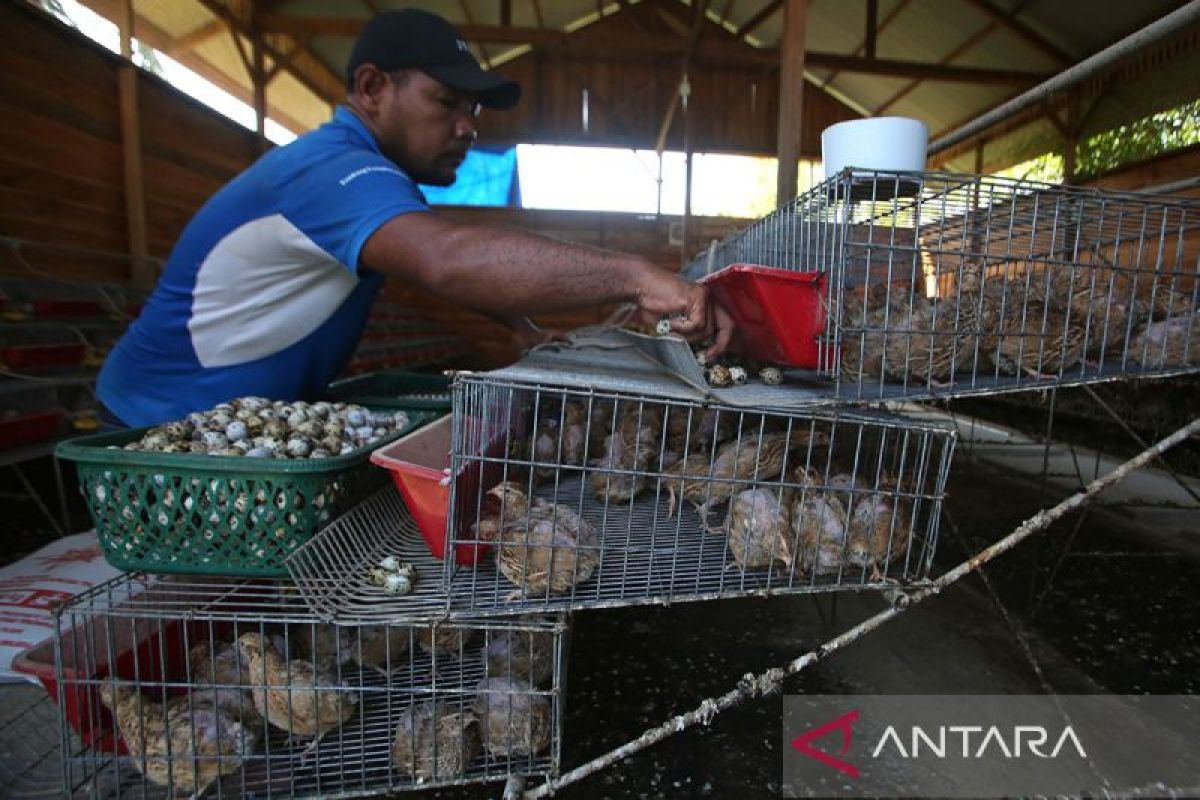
x: 228, y: 689
x: 944, y: 284
x: 579, y: 498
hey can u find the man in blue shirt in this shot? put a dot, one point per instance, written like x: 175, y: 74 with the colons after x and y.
x: 269, y: 286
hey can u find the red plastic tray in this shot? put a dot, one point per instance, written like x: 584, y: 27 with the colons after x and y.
x: 420, y: 468
x: 779, y: 313
x: 29, y: 428
x: 43, y: 355
x: 159, y: 648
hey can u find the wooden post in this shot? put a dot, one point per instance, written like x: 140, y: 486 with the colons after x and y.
x: 142, y: 271
x: 791, y: 95
x: 258, y: 78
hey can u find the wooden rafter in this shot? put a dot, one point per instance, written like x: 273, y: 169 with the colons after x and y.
x: 305, y: 66
x: 678, y: 27
x: 1027, y: 33
x: 880, y: 28
x: 159, y: 39
x: 242, y: 54
x: 281, y: 64
x: 693, y: 40
x: 921, y: 69
x: 633, y: 16
x: 632, y: 45
x: 765, y: 13
x: 966, y: 45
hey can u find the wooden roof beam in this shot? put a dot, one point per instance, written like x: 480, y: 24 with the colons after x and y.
x: 862, y: 48
x: 922, y: 70
x: 627, y: 9
x: 1027, y: 33
x: 631, y: 44
x: 765, y: 13
x: 969, y: 43
x: 159, y: 39
x: 330, y: 88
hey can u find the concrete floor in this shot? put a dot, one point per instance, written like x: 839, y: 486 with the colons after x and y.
x: 1114, y: 612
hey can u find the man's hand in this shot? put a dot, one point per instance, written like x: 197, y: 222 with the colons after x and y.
x: 689, y: 306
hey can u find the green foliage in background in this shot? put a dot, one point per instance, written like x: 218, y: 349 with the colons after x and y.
x: 1146, y: 138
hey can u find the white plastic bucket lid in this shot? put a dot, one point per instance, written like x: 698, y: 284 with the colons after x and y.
x: 876, y: 143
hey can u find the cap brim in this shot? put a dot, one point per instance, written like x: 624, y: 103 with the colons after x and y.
x: 495, y: 91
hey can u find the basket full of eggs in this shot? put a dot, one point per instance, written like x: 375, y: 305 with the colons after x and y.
x: 233, y: 490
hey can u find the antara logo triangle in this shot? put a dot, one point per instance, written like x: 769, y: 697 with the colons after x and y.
x: 845, y: 724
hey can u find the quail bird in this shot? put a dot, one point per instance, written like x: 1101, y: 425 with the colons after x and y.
x: 188, y: 744
x: 435, y: 740
x: 514, y: 718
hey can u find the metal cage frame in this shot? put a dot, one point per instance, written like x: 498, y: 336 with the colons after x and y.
x: 973, y: 284
x: 167, y: 638
x: 639, y: 556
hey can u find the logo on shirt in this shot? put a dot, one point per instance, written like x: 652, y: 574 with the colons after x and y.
x: 358, y: 173
x: 462, y: 46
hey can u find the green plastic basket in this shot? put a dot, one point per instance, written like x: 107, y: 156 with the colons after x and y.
x: 215, y: 515
x: 394, y: 389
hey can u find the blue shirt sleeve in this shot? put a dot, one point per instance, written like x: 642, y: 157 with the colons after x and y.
x: 339, y: 203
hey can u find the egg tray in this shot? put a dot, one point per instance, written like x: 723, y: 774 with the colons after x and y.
x: 214, y: 515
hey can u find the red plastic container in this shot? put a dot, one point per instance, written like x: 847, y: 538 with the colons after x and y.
x: 29, y: 428
x: 42, y: 355
x: 158, y: 647
x: 420, y: 468
x: 780, y: 314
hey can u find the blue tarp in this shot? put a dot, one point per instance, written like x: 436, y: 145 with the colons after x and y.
x: 488, y: 177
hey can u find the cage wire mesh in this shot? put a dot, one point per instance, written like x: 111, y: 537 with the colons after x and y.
x: 944, y: 284
x: 571, y: 498
x: 203, y: 687
x: 583, y: 498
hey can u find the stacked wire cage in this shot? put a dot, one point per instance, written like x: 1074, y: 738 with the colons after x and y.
x: 570, y: 498
x: 944, y: 284
x: 197, y: 686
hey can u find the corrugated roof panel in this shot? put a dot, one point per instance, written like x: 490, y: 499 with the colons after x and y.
x: 1085, y: 27
x: 175, y: 18
x: 946, y: 104
x: 870, y: 90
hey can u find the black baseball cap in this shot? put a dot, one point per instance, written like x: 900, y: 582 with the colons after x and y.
x: 416, y: 39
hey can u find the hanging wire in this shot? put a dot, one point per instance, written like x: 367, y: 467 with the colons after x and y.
x: 16, y: 245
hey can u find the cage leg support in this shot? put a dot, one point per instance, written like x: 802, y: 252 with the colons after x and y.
x: 514, y: 787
